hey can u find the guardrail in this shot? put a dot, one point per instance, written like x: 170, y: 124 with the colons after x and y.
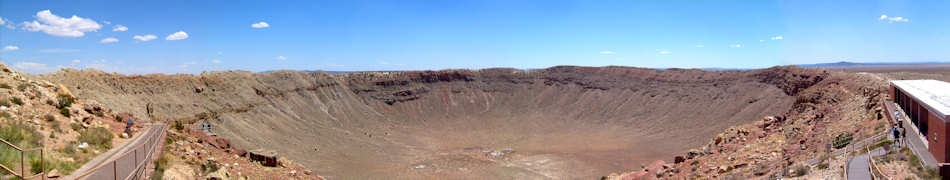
x: 22, y: 174
x: 130, y: 164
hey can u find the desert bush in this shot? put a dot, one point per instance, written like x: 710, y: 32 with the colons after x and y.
x: 50, y: 102
x: 178, y: 125
x: 16, y: 101
x: 5, y: 102
x: 65, y: 112
x: 22, y: 86
x: 842, y: 140
x: 117, y: 118
x: 20, y: 134
x: 209, y: 166
x: 99, y: 114
x: 5, y: 86
x: 822, y: 166
x: 5, y: 114
x: 49, y: 117
x: 98, y: 136
x: 160, y: 164
x: 74, y: 126
x: 65, y: 101
x: 800, y: 171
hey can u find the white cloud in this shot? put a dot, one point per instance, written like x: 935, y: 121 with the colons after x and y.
x: 32, y: 67
x: 4, y: 21
x: 665, y: 52
x: 120, y: 28
x: 52, y: 24
x: 607, y: 52
x: 187, y: 64
x: 144, y: 38
x: 735, y: 46
x: 700, y: 46
x: 216, y: 61
x: 75, y: 61
x: 761, y: 40
x: 892, y: 19
x: 58, y: 51
x: 109, y: 40
x: 281, y: 58
x: 778, y: 38
x: 11, y: 48
x: 260, y: 25
x: 177, y: 36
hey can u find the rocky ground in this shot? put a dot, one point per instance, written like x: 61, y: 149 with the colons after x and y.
x: 70, y: 130
x: 191, y: 154
x: 838, y: 103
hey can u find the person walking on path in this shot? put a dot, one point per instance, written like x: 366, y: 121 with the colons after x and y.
x: 897, y: 134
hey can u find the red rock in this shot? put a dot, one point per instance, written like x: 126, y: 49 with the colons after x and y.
x: 678, y: 159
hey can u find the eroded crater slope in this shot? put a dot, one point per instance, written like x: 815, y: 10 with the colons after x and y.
x: 562, y: 122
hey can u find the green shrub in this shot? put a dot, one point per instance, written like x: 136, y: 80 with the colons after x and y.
x: 50, y: 102
x: 74, y: 126
x: 21, y: 134
x: 98, y: 136
x: 209, y: 166
x: 178, y: 126
x: 5, y: 86
x: 49, y: 117
x: 117, y: 118
x: 822, y: 166
x: 842, y: 140
x: 5, y: 102
x: 800, y: 171
x: 160, y: 164
x: 64, y: 112
x: 65, y: 101
x: 16, y: 101
x: 99, y: 114
x: 22, y: 86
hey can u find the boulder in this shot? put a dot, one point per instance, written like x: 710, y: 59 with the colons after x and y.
x: 53, y: 174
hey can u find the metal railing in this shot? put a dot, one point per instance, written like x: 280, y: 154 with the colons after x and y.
x: 22, y: 174
x: 138, y: 158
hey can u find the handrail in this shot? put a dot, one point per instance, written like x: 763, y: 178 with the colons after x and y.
x: 22, y: 174
x: 873, y: 166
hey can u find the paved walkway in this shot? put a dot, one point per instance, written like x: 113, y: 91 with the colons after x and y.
x: 858, y: 167
x: 913, y: 139
x: 125, y: 160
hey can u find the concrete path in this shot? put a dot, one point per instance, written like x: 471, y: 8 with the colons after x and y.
x: 125, y: 160
x: 858, y: 167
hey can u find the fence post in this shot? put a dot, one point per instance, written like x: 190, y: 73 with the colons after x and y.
x: 43, y: 164
x: 115, y: 172
x: 22, y: 165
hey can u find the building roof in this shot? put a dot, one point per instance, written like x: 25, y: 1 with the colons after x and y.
x: 932, y: 93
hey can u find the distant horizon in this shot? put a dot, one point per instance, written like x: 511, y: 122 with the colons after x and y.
x: 195, y: 36
x: 816, y: 65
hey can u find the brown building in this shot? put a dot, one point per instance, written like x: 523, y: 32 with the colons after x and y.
x: 926, y: 106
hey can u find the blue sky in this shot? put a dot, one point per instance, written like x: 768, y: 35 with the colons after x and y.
x: 43, y: 36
